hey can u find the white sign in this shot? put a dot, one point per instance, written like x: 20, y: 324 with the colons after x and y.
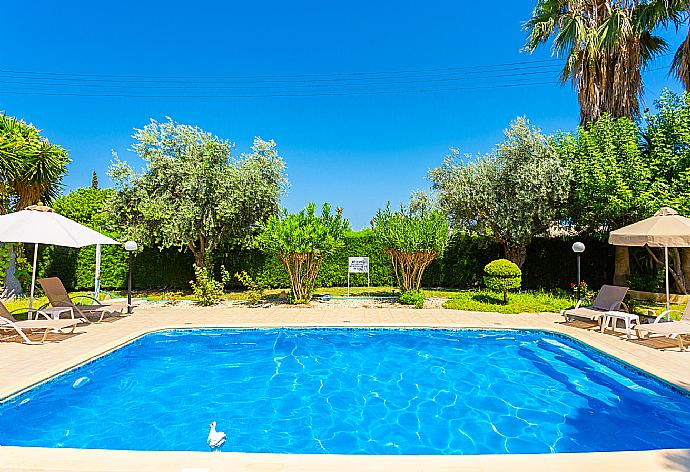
x: 358, y: 265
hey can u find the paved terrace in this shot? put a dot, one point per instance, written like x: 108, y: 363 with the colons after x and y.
x: 24, y: 366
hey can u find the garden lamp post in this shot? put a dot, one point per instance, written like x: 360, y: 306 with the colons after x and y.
x: 578, y: 249
x: 130, y: 247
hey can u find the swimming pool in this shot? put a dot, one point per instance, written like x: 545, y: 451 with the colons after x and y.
x: 352, y: 391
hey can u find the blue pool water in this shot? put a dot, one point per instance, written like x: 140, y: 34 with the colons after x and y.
x: 352, y: 391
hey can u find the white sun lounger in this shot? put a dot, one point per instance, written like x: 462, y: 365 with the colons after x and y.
x: 670, y: 329
x: 21, y: 328
x: 609, y: 298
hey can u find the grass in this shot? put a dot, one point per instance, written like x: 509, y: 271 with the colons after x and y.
x: 654, y: 309
x: 518, y: 302
x: 272, y: 294
x: 469, y: 300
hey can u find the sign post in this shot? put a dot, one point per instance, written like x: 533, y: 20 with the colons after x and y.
x: 358, y: 265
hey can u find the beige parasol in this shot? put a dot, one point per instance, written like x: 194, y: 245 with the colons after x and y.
x: 665, y: 229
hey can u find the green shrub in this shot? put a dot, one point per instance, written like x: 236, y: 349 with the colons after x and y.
x: 207, y: 290
x: 4, y: 262
x: 171, y: 298
x: 647, y: 282
x: 412, y: 297
x: 502, y: 275
x: 255, y: 290
x: 301, y: 241
x: 413, y: 238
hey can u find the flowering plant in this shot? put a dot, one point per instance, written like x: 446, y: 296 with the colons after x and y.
x: 586, y: 294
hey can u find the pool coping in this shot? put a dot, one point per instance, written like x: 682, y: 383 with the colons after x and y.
x: 154, y: 320
x: 33, y: 459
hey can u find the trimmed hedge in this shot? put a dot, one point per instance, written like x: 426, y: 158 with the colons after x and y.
x: 550, y: 261
x: 502, y: 275
x: 550, y: 264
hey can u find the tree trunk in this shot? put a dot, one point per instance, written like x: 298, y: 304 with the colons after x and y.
x: 199, y: 252
x: 409, y: 267
x: 622, y: 271
x: 302, y: 269
x: 679, y: 273
x: 674, y: 264
x: 685, y: 263
x: 515, y: 253
x: 13, y: 288
x: 199, y: 259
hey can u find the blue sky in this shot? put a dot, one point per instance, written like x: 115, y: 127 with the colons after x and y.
x: 355, y: 150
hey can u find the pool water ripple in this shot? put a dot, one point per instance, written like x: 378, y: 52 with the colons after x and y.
x: 352, y: 391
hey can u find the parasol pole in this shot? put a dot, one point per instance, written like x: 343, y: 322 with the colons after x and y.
x: 97, y: 275
x: 33, y: 282
x: 667, y: 291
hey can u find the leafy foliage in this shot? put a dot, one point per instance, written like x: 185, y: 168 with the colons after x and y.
x: 666, y: 145
x: 502, y: 275
x: 255, y: 289
x: 611, y: 178
x: 412, y: 297
x: 87, y: 206
x: 301, y: 241
x: 207, y: 290
x: 171, y: 297
x: 192, y: 193
x: 513, y: 194
x: 31, y: 168
x: 4, y: 261
x: 413, y: 238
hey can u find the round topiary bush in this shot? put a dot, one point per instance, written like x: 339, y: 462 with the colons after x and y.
x: 501, y: 276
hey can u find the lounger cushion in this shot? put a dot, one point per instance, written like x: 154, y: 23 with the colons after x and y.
x: 668, y: 328
x: 589, y: 313
x: 45, y: 324
x: 107, y: 308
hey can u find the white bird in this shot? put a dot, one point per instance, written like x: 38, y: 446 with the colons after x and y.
x: 216, y: 439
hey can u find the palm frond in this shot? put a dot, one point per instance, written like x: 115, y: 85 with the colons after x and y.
x: 680, y: 67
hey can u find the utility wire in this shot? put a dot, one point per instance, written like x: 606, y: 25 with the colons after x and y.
x: 292, y: 93
x: 470, y: 69
x: 349, y: 79
x: 165, y: 77
x: 310, y: 94
x: 196, y: 85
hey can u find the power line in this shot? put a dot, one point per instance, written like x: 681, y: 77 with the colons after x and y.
x: 195, y: 85
x: 310, y: 94
x: 275, y: 81
x: 165, y: 77
x: 315, y: 92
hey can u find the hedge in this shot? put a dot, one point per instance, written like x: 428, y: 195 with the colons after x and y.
x: 550, y: 261
x: 550, y: 264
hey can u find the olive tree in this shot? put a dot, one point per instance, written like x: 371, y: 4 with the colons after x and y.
x: 512, y: 194
x: 412, y: 237
x: 193, y: 193
x: 301, y: 241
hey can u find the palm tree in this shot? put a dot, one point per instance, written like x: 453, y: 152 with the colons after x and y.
x: 605, y: 44
x: 30, y: 171
x: 31, y: 168
x: 681, y: 63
